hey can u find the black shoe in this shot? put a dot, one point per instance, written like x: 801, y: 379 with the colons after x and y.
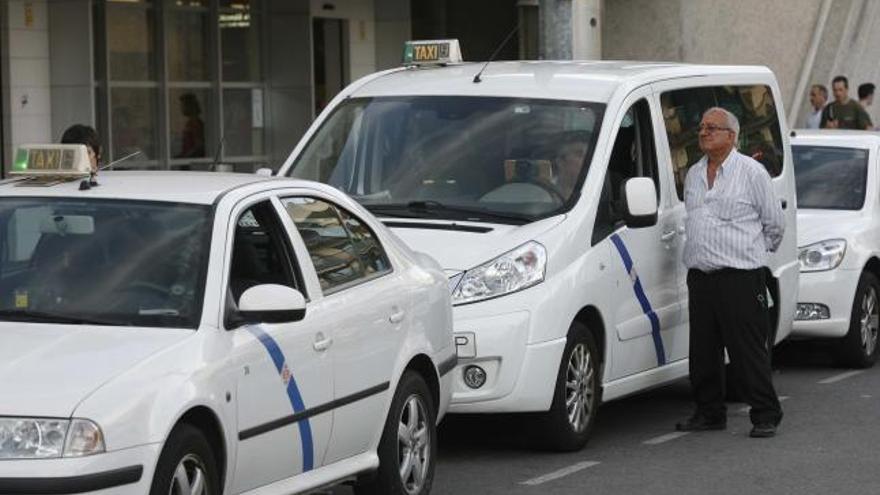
x: 763, y: 430
x: 700, y: 423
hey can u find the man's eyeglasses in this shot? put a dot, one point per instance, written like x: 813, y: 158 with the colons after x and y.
x: 711, y: 129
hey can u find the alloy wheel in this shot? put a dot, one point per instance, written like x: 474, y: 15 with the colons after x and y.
x: 869, y: 321
x: 414, y: 444
x: 189, y: 478
x: 579, y: 387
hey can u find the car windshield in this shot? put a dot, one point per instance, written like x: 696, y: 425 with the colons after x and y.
x: 830, y: 178
x: 507, y: 160
x: 104, y: 262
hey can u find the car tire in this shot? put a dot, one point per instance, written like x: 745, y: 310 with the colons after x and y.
x: 187, y: 465
x: 569, y: 422
x: 858, y: 349
x: 408, y: 438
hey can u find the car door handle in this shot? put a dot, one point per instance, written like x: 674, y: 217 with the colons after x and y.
x: 322, y: 344
x: 668, y: 235
x: 784, y: 204
x: 397, y: 316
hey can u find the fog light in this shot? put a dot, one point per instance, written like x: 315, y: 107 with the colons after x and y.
x: 812, y: 311
x: 474, y: 376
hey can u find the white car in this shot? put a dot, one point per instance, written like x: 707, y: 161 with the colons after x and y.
x: 839, y: 240
x: 196, y: 333
x: 551, y: 193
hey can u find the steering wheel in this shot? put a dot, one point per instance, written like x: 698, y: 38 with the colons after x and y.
x: 141, y: 294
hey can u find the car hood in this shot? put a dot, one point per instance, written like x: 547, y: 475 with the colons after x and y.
x: 46, y: 370
x: 819, y: 225
x: 458, y: 246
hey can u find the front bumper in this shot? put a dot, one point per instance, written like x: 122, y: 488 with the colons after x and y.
x: 119, y: 472
x: 520, y: 377
x: 833, y: 288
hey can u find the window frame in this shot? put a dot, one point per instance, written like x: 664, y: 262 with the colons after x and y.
x: 282, y: 198
x: 291, y: 261
x: 162, y: 86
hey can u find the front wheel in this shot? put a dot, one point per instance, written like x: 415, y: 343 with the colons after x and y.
x: 186, y: 465
x: 408, y: 448
x: 568, y: 424
x: 858, y: 348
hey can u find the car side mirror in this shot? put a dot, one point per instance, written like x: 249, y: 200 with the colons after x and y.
x: 640, y: 202
x: 271, y: 303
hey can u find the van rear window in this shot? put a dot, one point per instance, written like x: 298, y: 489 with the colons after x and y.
x: 760, y: 136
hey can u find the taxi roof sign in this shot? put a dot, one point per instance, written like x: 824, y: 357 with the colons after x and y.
x: 54, y: 160
x: 431, y: 52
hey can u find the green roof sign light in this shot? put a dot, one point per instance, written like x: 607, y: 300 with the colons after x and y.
x: 431, y: 52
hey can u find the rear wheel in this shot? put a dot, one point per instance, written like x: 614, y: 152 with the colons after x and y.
x: 408, y: 448
x: 186, y: 465
x: 568, y: 424
x: 858, y: 348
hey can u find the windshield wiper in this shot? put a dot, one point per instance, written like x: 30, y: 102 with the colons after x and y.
x: 421, y: 209
x: 43, y: 317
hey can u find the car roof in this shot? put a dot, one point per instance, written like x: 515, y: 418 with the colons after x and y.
x: 564, y: 80
x: 834, y: 137
x: 172, y: 186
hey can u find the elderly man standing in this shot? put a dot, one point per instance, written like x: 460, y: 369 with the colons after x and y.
x: 734, y: 221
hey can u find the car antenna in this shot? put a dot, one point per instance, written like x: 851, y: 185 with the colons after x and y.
x: 217, y: 155
x: 495, y: 54
x: 92, y: 181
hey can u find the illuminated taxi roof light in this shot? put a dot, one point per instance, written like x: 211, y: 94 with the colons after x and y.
x: 54, y: 160
x: 431, y: 52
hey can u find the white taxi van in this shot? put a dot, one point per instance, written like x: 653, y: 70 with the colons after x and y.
x: 551, y: 193
x: 195, y: 333
x: 839, y: 241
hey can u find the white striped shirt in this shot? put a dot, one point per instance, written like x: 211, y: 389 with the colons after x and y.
x: 738, y: 222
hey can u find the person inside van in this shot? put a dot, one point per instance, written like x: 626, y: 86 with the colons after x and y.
x: 569, y: 160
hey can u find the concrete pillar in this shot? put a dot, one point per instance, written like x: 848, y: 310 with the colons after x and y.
x: 556, y: 32
x: 586, y: 29
x: 71, y: 58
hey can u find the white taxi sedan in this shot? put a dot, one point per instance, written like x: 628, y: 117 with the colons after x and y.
x: 839, y: 241
x: 195, y: 333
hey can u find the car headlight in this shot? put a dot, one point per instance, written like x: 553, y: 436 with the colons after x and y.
x: 46, y: 438
x: 824, y: 255
x: 514, y: 270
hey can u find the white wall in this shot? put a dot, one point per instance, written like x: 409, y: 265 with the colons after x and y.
x: 29, y: 103
x: 361, y: 31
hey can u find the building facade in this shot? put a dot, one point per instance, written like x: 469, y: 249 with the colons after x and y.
x: 189, y: 84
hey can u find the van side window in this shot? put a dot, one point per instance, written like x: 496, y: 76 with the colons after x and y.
x: 634, y: 155
x: 342, y: 247
x: 760, y: 136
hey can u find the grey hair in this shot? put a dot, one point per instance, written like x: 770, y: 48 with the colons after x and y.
x: 732, y: 121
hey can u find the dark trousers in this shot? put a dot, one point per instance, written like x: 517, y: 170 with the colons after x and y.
x: 728, y: 308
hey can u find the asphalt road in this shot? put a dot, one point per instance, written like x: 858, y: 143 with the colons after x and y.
x: 827, y: 443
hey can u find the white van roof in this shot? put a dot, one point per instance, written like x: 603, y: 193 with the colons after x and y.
x: 562, y: 80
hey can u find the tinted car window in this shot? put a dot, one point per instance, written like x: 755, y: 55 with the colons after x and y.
x: 114, y: 262
x: 759, y: 137
x: 830, y: 178
x: 342, y: 248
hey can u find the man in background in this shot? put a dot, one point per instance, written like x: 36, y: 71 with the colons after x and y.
x: 866, y: 95
x: 818, y: 99
x: 844, y: 113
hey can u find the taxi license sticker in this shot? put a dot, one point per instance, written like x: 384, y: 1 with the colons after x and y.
x: 21, y: 299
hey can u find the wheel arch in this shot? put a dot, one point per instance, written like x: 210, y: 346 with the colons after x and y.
x: 206, y: 421
x: 423, y: 365
x: 590, y: 317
